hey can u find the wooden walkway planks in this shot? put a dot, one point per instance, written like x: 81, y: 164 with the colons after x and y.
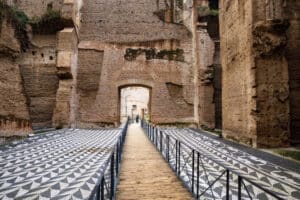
x: 144, y: 173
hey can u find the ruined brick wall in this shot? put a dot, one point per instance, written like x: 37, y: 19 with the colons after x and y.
x: 44, y: 72
x: 14, y: 114
x: 38, y: 69
x: 238, y: 76
x: 293, y: 58
x: 132, y: 43
x: 38, y: 8
x: 210, y: 72
x: 255, y: 77
x: 206, y: 76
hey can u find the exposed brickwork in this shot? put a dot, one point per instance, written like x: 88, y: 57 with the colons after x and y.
x: 14, y: 114
x: 255, y: 81
x: 293, y: 58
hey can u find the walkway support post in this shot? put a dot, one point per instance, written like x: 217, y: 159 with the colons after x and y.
x: 239, y: 188
x: 112, y: 177
x: 193, y: 170
x: 227, y: 184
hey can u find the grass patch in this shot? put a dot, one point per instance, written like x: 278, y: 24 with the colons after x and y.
x: 289, y: 153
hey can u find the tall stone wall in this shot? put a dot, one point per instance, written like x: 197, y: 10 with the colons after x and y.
x: 293, y: 57
x: 38, y: 69
x: 14, y: 114
x: 206, y: 76
x: 210, y: 71
x: 237, y: 66
x: 255, y: 73
x: 133, y: 43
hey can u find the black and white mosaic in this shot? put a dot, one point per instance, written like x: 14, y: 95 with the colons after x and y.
x: 282, y: 182
x: 64, y: 164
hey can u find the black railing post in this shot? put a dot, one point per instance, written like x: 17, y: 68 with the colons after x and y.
x: 168, y: 148
x: 112, y: 177
x: 193, y: 170
x: 227, y: 184
x: 179, y: 144
x: 156, y: 135
x: 198, y: 162
x: 102, y: 188
x: 161, y: 144
x: 117, y: 160
x: 239, y: 187
x: 176, y: 156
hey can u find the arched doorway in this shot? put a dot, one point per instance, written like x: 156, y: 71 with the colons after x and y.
x: 134, y: 100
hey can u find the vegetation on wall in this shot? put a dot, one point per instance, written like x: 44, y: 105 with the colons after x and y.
x: 206, y: 11
x: 152, y: 53
x: 17, y: 19
x: 48, y: 23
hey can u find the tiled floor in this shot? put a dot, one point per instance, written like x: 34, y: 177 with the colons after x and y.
x: 283, y: 182
x: 63, y: 164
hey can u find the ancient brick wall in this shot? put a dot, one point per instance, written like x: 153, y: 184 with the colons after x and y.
x: 237, y: 65
x: 38, y: 69
x: 255, y: 76
x: 38, y: 8
x: 14, y: 114
x: 293, y: 57
x: 131, y: 45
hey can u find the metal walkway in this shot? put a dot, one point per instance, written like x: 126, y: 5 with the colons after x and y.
x: 144, y: 173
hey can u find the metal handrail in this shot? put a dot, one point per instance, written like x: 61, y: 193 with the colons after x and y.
x: 151, y: 132
x: 111, y: 168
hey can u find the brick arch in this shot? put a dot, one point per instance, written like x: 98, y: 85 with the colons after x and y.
x: 135, y: 82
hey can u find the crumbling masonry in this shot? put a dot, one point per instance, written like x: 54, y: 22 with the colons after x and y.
x: 230, y: 65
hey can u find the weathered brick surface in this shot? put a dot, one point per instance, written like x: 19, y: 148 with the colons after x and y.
x: 255, y: 74
x: 293, y: 58
x: 38, y: 69
x: 144, y: 173
x: 14, y: 114
x: 114, y: 28
x: 38, y: 8
x: 237, y: 64
x: 127, y: 21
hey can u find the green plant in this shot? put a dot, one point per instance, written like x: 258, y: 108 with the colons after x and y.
x: 214, y: 12
x: 18, y: 19
x: 205, y: 11
x: 50, y: 22
x: 289, y: 153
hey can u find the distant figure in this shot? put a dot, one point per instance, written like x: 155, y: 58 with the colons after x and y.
x: 137, y: 119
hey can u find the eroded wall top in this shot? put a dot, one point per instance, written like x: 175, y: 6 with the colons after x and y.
x: 128, y: 21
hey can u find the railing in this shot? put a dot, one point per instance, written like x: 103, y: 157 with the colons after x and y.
x: 204, y: 177
x: 107, y: 184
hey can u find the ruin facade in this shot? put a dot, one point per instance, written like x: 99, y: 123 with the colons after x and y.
x: 210, y: 64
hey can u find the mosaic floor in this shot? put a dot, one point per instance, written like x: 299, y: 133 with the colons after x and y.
x: 283, y: 182
x: 64, y: 164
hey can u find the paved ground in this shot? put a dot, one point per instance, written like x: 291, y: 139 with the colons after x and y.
x: 259, y: 169
x: 64, y: 164
x: 144, y: 173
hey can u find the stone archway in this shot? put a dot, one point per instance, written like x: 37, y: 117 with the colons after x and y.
x: 138, y: 95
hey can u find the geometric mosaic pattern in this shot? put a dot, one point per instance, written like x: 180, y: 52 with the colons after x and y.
x: 284, y: 183
x: 63, y: 164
